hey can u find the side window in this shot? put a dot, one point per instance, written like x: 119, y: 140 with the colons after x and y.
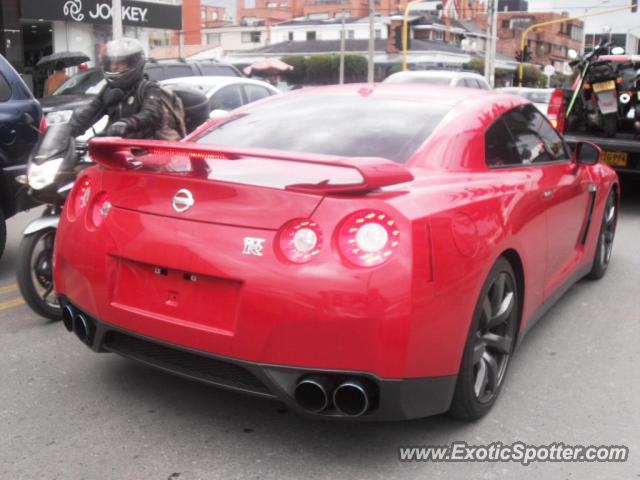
x: 227, y: 98
x: 499, y: 147
x: 175, y: 71
x: 5, y: 89
x: 255, y: 92
x: 220, y: 70
x: 535, y: 139
x: 154, y: 73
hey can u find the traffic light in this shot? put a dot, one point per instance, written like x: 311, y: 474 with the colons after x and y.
x: 634, y: 6
x: 526, y: 55
x: 397, y: 41
x: 518, y: 56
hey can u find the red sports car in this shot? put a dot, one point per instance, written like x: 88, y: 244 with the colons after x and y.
x: 354, y: 251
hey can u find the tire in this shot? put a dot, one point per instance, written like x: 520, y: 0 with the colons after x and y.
x: 35, y: 276
x: 610, y: 125
x: 602, y: 256
x: 3, y: 233
x: 489, y: 344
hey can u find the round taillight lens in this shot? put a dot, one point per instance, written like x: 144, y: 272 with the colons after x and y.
x: 300, y: 240
x: 368, y: 238
x: 80, y: 198
x: 100, y: 210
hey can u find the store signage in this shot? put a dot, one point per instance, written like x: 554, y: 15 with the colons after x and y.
x: 138, y: 14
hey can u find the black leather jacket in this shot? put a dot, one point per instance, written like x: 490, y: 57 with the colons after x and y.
x: 143, y: 110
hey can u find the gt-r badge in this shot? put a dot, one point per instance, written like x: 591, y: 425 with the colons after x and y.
x: 253, y: 246
x: 182, y: 200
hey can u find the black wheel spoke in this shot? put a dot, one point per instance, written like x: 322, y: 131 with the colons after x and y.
x: 47, y: 292
x: 504, y: 312
x: 492, y: 372
x: 487, y: 312
x: 497, y: 343
x: 478, y: 351
x: 498, y: 292
x: 482, y: 378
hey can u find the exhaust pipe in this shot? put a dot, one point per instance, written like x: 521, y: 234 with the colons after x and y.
x: 312, y: 394
x: 67, y: 317
x: 352, y: 398
x: 81, y: 327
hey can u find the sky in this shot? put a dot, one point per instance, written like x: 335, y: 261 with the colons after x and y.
x: 620, y: 22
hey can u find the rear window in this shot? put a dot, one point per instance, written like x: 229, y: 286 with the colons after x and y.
x: 419, y: 79
x: 332, y: 125
x: 5, y: 89
x: 538, y: 97
x: 80, y: 82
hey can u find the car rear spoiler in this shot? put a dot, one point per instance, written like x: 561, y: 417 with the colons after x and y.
x: 121, y: 154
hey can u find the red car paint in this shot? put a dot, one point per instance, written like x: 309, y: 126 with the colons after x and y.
x: 182, y: 278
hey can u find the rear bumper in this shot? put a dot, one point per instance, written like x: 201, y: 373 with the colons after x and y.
x: 394, y: 399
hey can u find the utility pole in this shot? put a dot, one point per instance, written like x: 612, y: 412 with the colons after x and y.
x: 342, y: 47
x: 372, y: 39
x: 490, y: 48
x: 494, y: 44
x: 116, y: 18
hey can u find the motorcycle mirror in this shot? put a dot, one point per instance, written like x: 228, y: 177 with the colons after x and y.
x: 617, y: 51
x: 572, y: 54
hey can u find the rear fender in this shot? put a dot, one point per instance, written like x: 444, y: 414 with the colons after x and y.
x: 43, y: 223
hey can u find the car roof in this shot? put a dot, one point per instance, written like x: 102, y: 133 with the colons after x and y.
x: 437, y: 73
x: 429, y: 94
x: 216, y: 80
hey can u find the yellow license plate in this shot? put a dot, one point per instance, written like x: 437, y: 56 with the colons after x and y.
x: 603, y: 86
x: 615, y: 159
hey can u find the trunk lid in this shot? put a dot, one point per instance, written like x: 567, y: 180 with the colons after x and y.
x: 249, y: 188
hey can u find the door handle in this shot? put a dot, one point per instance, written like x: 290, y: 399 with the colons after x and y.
x: 547, y: 193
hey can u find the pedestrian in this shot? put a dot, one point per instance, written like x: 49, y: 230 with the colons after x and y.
x: 57, y: 78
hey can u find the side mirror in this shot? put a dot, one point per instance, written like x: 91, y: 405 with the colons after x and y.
x: 617, y: 51
x: 587, y: 153
x: 27, y: 119
x: 572, y: 54
x: 217, y: 113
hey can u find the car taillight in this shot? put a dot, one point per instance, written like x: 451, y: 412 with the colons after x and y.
x: 43, y: 124
x: 99, y: 210
x: 556, y: 110
x: 300, y: 240
x: 368, y: 238
x: 80, y: 197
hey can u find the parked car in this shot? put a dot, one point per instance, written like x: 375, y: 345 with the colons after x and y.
x: 80, y: 88
x: 540, y: 97
x: 21, y: 121
x: 226, y: 93
x: 354, y: 251
x: 440, y: 77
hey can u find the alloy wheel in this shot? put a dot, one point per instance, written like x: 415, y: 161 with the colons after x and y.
x: 494, y: 336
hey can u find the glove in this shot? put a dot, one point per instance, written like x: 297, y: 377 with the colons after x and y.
x: 118, y: 129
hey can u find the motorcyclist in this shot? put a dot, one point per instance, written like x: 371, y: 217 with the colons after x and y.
x: 133, y: 112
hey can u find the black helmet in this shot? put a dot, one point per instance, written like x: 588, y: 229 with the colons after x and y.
x: 123, y: 63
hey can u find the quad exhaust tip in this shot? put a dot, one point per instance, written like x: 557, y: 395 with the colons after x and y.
x: 67, y: 317
x: 312, y: 394
x: 352, y: 398
x: 81, y: 327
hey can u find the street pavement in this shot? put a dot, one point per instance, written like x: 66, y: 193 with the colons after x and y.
x: 67, y: 413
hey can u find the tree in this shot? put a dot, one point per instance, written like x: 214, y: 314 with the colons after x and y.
x: 298, y: 75
x: 320, y: 70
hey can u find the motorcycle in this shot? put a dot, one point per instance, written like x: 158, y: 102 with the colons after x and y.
x: 54, y: 165
x: 598, y: 85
